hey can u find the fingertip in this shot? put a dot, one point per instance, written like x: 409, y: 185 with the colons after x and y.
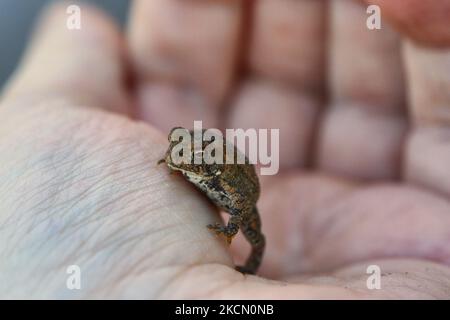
x: 360, y: 143
x: 425, y: 21
x: 265, y: 104
x: 193, y: 43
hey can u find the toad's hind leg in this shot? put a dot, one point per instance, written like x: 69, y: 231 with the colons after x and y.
x: 252, y: 232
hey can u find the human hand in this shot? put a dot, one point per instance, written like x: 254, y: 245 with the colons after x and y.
x: 364, y: 185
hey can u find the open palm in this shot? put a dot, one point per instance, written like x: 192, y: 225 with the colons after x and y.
x: 364, y: 151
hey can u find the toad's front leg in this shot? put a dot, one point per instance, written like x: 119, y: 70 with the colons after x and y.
x: 230, y: 230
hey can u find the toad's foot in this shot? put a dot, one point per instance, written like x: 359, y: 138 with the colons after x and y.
x: 244, y: 270
x: 229, y: 231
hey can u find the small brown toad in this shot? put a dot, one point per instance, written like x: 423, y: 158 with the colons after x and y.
x: 233, y: 188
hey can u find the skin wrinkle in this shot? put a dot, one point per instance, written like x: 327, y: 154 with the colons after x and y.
x: 131, y: 271
x: 397, y: 279
x: 333, y: 219
x: 80, y: 197
x: 401, y: 283
x: 301, y: 289
x: 114, y: 201
x: 426, y: 23
x: 373, y: 255
x: 422, y: 280
x: 96, y: 251
x: 215, y: 292
x: 116, y: 289
x: 295, y: 185
x: 308, y: 244
x: 166, y: 230
x: 82, y: 157
x: 22, y: 200
x: 125, y: 211
x: 25, y: 162
x: 139, y: 267
x: 91, y: 190
x: 46, y: 278
x: 156, y: 250
x: 126, y: 246
x: 328, y: 224
x: 179, y: 277
x: 120, y: 288
x: 99, y: 218
x: 102, y: 166
x: 123, y: 229
x: 52, y: 164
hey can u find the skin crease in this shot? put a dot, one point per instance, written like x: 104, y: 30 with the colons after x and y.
x: 423, y: 20
x: 79, y: 182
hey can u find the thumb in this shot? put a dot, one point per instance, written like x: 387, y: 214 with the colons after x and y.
x: 425, y: 21
x: 83, y: 65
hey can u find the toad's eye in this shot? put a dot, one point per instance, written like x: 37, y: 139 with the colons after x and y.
x: 213, y: 170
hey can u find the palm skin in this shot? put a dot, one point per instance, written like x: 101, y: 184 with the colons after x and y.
x: 80, y: 185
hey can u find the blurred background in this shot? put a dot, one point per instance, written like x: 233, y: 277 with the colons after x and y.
x: 17, y: 18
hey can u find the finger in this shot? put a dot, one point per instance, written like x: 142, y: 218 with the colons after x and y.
x: 398, y: 279
x: 288, y: 42
x: 184, y: 52
x: 411, y: 223
x: 425, y: 21
x: 285, y: 83
x: 428, y: 151
x: 265, y: 104
x: 83, y: 65
x: 362, y: 132
x: 325, y: 223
